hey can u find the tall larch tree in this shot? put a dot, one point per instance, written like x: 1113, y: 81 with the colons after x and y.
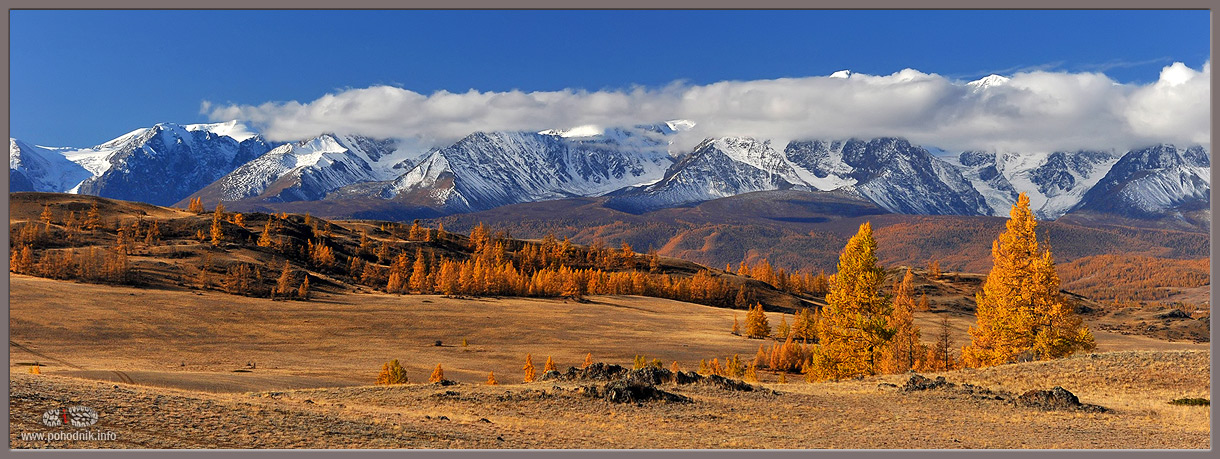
x: 47, y: 216
x: 529, y: 368
x: 853, y: 328
x: 1021, y: 315
x: 218, y: 234
x: 756, y: 323
x: 93, y: 220
x: 803, y: 326
x: 303, y: 291
x: 419, y: 272
x: 283, y: 285
x: 905, y: 352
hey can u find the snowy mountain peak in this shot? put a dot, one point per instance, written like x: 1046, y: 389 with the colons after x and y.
x: 841, y: 74
x: 680, y: 125
x: 588, y: 130
x: 987, y: 82
x: 232, y: 129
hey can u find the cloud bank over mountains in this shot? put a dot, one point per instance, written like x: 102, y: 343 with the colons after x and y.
x: 1025, y: 112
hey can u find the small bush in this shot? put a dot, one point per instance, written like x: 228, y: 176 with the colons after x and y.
x: 1188, y: 401
x: 392, y: 373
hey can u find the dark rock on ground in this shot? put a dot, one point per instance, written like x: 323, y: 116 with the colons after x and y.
x: 599, y: 371
x: 919, y: 382
x: 649, y: 375
x: 1174, y: 314
x: 727, y: 384
x: 630, y: 392
x: 1057, y: 398
x: 687, y: 377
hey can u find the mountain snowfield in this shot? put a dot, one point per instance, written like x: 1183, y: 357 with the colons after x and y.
x: 310, y: 169
x: 139, y: 165
x: 637, y: 167
x: 486, y: 170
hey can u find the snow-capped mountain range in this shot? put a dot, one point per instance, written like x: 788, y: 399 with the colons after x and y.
x: 159, y: 165
x: 637, y: 167
x: 486, y: 170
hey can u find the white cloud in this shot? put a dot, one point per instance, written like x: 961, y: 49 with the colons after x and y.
x: 1031, y: 111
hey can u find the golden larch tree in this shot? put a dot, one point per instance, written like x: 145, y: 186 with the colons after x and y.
x: 419, y: 273
x: 303, y: 292
x: 447, y: 280
x: 491, y: 379
x: 905, y: 352
x: 803, y: 326
x: 93, y: 220
x: 218, y: 233
x: 1021, y: 315
x: 588, y: 360
x: 940, y: 357
x: 47, y: 216
x: 264, y: 240
x: 853, y: 328
x: 283, y: 285
x: 529, y: 368
x: 549, y: 365
x: 783, y: 330
x: 438, y: 375
x: 756, y: 323
x: 195, y: 205
x: 392, y: 373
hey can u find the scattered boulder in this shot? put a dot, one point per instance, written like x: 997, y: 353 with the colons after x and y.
x: 1174, y: 314
x: 649, y: 375
x: 687, y: 377
x: 631, y: 392
x: 1057, y: 398
x: 639, y: 385
x: 727, y: 384
x: 919, y: 382
x: 599, y: 371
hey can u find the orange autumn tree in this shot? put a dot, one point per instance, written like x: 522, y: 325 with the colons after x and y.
x: 1021, y: 315
x: 529, y: 368
x: 756, y: 323
x: 853, y: 329
x: 392, y: 373
x: 905, y: 351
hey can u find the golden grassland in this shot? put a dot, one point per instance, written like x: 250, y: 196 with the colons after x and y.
x: 172, y: 368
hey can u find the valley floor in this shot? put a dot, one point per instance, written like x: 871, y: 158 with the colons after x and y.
x: 851, y: 414
x: 181, y: 369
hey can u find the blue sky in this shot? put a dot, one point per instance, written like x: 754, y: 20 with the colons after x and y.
x: 82, y: 77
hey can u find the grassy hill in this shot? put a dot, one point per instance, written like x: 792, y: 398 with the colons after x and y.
x: 186, y: 351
